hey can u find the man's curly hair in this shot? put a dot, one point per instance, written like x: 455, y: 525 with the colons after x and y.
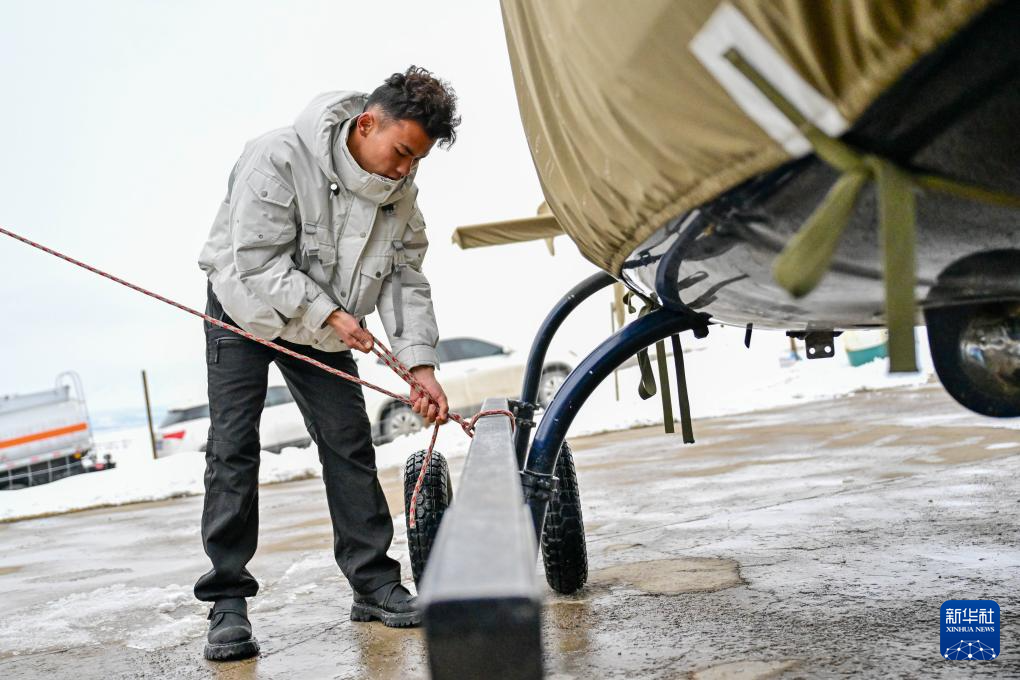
x: 418, y: 95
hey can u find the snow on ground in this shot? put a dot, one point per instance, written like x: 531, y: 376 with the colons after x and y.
x: 723, y: 378
x: 75, y: 619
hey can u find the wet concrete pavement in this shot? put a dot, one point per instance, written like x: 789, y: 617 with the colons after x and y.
x: 809, y: 541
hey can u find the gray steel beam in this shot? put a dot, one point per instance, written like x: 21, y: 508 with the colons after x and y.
x: 480, y: 598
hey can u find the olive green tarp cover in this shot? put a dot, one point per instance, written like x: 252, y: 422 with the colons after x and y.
x: 544, y: 225
x: 627, y: 127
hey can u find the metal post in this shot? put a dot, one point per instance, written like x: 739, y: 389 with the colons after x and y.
x: 148, y: 413
x: 479, y: 596
x: 612, y: 329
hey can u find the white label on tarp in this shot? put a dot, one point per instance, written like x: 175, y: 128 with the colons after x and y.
x: 729, y: 29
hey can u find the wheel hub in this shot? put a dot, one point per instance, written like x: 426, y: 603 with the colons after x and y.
x: 403, y: 421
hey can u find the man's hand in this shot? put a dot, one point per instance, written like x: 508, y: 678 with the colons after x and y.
x: 430, y: 413
x: 347, y: 329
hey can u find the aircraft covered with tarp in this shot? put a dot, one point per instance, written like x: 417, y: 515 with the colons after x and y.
x: 795, y: 165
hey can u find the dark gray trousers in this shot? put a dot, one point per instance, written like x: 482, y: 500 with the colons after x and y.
x: 334, y: 412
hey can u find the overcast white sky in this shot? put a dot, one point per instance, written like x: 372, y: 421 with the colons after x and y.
x: 120, y: 123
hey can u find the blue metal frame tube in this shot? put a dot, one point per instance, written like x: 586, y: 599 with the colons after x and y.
x: 576, y: 389
x: 539, y: 347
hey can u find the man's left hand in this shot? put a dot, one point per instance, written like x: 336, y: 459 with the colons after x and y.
x: 436, y: 409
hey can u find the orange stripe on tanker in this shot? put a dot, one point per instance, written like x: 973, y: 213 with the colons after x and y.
x: 7, y: 443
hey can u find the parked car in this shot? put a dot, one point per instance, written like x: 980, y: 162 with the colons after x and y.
x: 186, y: 428
x: 470, y: 371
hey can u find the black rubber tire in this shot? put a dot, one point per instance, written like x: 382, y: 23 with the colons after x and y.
x: 434, y: 498
x: 946, y: 327
x: 564, y: 552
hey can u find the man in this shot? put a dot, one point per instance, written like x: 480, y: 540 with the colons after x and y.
x: 319, y: 228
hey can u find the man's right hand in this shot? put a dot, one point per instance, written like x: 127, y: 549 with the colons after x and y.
x: 350, y: 331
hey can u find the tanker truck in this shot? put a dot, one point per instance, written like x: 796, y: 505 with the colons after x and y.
x: 44, y: 435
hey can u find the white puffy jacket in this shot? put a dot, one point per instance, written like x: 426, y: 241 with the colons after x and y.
x: 303, y: 229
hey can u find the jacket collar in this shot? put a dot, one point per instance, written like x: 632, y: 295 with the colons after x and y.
x: 371, y: 187
x: 318, y: 123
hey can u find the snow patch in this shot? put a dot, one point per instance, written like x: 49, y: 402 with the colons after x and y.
x: 97, y: 617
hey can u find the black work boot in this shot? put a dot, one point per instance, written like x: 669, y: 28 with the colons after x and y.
x: 392, y: 604
x: 229, y: 631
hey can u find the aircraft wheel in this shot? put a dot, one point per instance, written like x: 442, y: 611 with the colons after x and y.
x: 564, y: 552
x: 976, y: 353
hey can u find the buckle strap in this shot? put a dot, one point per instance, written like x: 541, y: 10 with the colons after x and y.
x: 373, y: 596
x: 316, y: 272
x: 213, y: 611
x: 399, y: 262
x: 386, y: 600
x: 310, y: 243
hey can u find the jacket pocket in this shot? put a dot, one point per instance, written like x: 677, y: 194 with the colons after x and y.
x: 374, y: 270
x: 214, y: 346
x: 269, y: 189
x: 416, y: 221
x: 262, y: 219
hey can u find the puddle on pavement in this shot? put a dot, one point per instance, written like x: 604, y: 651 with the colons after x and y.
x: 388, y: 653
x: 672, y: 576
x: 340, y: 651
x: 745, y: 670
x: 572, y: 623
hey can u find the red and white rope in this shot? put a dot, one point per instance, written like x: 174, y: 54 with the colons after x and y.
x: 380, y: 350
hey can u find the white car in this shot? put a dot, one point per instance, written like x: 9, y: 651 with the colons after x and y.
x: 471, y: 370
x: 187, y: 428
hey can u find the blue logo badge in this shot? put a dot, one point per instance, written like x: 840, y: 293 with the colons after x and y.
x: 970, y: 630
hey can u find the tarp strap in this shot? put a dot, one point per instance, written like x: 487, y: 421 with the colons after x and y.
x: 686, y: 427
x: 808, y: 255
x: 647, y: 387
x: 667, y: 398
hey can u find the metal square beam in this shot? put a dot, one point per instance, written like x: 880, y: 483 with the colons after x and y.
x: 480, y: 597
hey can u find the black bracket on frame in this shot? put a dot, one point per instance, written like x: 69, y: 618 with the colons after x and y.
x: 524, y: 413
x: 819, y: 344
x: 538, y: 486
